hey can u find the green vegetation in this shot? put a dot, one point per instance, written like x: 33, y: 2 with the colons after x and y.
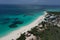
x: 56, y: 13
x: 22, y: 37
x: 50, y: 32
x: 35, y: 32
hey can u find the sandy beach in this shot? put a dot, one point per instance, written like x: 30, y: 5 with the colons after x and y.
x: 15, y: 34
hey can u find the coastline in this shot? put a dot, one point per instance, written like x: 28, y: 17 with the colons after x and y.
x: 15, y: 34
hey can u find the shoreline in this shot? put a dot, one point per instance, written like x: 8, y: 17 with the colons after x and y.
x: 15, y: 34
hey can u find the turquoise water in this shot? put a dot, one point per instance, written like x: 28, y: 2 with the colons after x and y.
x: 25, y: 14
x: 26, y: 18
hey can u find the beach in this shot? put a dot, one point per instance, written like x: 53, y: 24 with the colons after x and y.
x: 15, y: 34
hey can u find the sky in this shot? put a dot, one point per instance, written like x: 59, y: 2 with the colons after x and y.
x: 41, y: 2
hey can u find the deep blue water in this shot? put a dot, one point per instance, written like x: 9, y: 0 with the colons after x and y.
x: 25, y: 14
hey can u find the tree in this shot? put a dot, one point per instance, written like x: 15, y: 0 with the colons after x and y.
x: 22, y: 37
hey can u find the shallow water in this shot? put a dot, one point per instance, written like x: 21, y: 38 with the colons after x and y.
x: 10, y: 13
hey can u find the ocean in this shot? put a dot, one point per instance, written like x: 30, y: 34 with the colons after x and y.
x: 13, y: 17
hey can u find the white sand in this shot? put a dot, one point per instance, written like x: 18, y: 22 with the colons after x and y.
x: 15, y: 34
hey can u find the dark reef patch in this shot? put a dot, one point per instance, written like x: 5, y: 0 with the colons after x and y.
x: 14, y: 24
x: 7, y: 19
x: 18, y: 22
x: 16, y: 19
